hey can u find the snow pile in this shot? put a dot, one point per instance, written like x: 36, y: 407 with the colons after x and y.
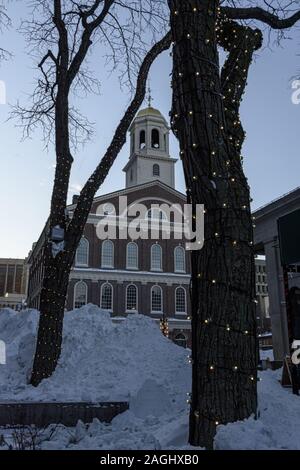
x: 278, y: 423
x: 132, y: 361
x: 100, y: 360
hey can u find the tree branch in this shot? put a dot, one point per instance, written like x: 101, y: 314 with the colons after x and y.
x: 94, y: 182
x: 241, y: 42
x: 89, y: 28
x: 257, y: 13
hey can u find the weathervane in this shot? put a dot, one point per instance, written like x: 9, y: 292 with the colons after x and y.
x: 149, y: 97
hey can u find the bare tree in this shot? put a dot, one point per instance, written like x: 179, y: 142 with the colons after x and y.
x: 4, y: 23
x: 65, y: 31
x: 205, y: 118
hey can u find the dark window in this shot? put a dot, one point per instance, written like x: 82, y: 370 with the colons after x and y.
x: 2, y: 280
x: 106, y: 296
x: 155, y: 139
x: 131, y: 298
x: 142, y: 140
x: 10, y: 279
x: 156, y: 170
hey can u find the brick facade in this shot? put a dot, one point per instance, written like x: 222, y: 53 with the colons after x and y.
x: 119, y: 276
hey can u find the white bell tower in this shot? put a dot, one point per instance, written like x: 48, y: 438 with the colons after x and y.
x: 149, y: 150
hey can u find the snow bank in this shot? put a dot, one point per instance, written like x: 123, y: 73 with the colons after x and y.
x: 278, y: 423
x: 100, y: 360
x: 132, y: 361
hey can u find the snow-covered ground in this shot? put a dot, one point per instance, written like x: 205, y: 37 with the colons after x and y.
x: 131, y: 361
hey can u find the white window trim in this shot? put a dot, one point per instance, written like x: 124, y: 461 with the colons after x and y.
x: 74, y: 293
x: 136, y: 268
x: 110, y: 310
x: 113, y: 255
x: 175, y: 269
x: 137, y: 299
x: 185, y: 306
x: 162, y: 301
x: 161, y: 259
x: 83, y: 265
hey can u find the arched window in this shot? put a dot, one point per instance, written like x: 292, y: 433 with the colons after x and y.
x: 156, y: 258
x: 132, y: 256
x: 156, y: 300
x: 80, y: 294
x: 180, y: 300
x: 156, y: 214
x: 106, y: 301
x: 155, y: 144
x: 179, y: 259
x: 156, y: 170
x: 142, y: 140
x: 131, y: 298
x: 82, y: 253
x: 181, y: 340
x: 107, y: 260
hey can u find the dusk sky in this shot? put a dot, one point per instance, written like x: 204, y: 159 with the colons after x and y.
x: 270, y: 119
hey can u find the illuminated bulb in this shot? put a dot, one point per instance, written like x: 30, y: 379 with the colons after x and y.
x: 216, y: 234
x: 211, y: 367
x: 228, y: 328
x: 214, y: 281
x: 217, y: 423
x: 251, y: 378
x: 246, y: 332
x: 235, y: 368
x: 191, y: 113
x: 234, y: 243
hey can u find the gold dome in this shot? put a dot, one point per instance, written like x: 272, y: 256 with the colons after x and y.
x: 149, y: 112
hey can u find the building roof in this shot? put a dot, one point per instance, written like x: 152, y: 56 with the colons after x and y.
x: 131, y: 189
x: 149, y: 111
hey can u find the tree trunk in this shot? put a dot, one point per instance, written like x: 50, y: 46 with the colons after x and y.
x: 224, y: 344
x: 57, y: 269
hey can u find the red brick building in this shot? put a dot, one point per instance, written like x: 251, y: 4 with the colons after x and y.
x: 149, y: 275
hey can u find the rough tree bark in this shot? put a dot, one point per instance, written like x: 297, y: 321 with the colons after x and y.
x: 57, y: 269
x: 224, y: 345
